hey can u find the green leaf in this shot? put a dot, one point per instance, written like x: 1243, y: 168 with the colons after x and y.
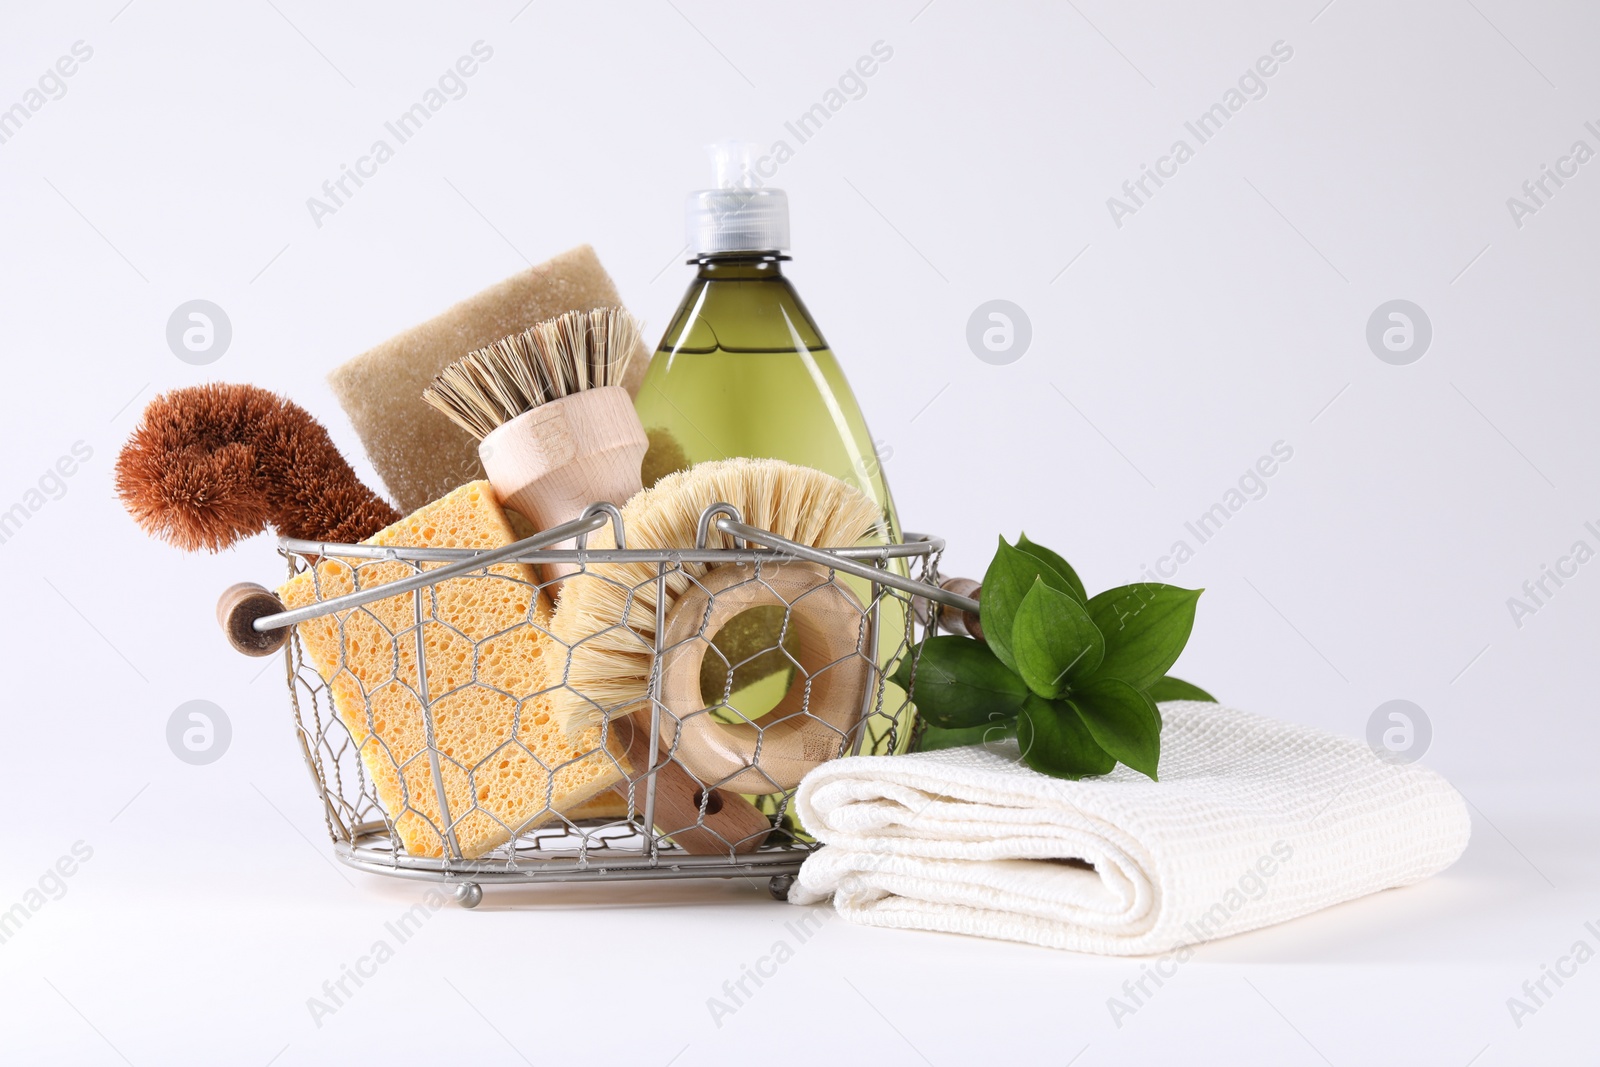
x: 960, y: 683
x: 1170, y: 688
x: 1145, y: 627
x: 1055, y: 740
x: 1123, y: 721
x: 1054, y: 641
x: 1059, y: 565
x: 933, y: 738
x: 1011, y: 574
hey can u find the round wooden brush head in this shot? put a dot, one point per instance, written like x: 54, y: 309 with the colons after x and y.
x: 558, y: 432
x: 213, y: 464
x: 551, y: 463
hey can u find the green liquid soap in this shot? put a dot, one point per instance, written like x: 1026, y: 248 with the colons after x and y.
x: 743, y: 371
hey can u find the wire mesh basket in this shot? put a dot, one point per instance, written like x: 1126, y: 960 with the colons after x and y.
x: 433, y: 698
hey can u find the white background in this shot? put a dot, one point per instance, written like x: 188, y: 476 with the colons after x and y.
x: 1227, y: 314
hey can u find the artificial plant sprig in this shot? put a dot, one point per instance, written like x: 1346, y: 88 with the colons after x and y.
x: 1074, y: 678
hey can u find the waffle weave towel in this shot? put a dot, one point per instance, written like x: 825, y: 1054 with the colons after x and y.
x: 1253, y: 822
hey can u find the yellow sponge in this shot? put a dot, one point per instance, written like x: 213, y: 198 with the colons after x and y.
x: 419, y: 453
x: 505, y: 765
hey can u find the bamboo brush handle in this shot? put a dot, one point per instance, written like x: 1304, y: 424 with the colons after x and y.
x: 815, y: 719
x: 730, y: 824
x: 551, y: 463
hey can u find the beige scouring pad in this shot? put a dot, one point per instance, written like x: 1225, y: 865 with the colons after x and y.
x: 418, y: 452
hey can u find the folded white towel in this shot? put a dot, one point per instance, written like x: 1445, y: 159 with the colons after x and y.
x: 1253, y: 822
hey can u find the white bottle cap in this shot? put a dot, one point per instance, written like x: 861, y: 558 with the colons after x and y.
x: 738, y: 215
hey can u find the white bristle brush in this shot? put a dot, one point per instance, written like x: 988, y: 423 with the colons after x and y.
x: 610, y: 624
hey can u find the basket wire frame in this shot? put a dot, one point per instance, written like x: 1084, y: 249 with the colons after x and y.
x: 554, y: 846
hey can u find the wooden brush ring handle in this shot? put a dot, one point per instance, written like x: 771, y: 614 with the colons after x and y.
x: 239, y: 607
x: 551, y: 463
x: 773, y: 754
x: 730, y: 824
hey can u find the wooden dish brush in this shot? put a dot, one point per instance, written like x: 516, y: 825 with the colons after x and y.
x: 556, y: 429
x: 608, y: 620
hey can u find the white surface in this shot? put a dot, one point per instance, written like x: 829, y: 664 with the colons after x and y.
x: 1253, y: 822
x: 1225, y: 315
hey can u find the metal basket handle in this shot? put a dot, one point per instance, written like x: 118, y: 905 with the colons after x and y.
x: 722, y: 516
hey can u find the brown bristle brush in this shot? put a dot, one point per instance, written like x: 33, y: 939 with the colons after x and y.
x: 213, y: 464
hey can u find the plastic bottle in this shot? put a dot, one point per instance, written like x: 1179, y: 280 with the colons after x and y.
x: 743, y: 370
